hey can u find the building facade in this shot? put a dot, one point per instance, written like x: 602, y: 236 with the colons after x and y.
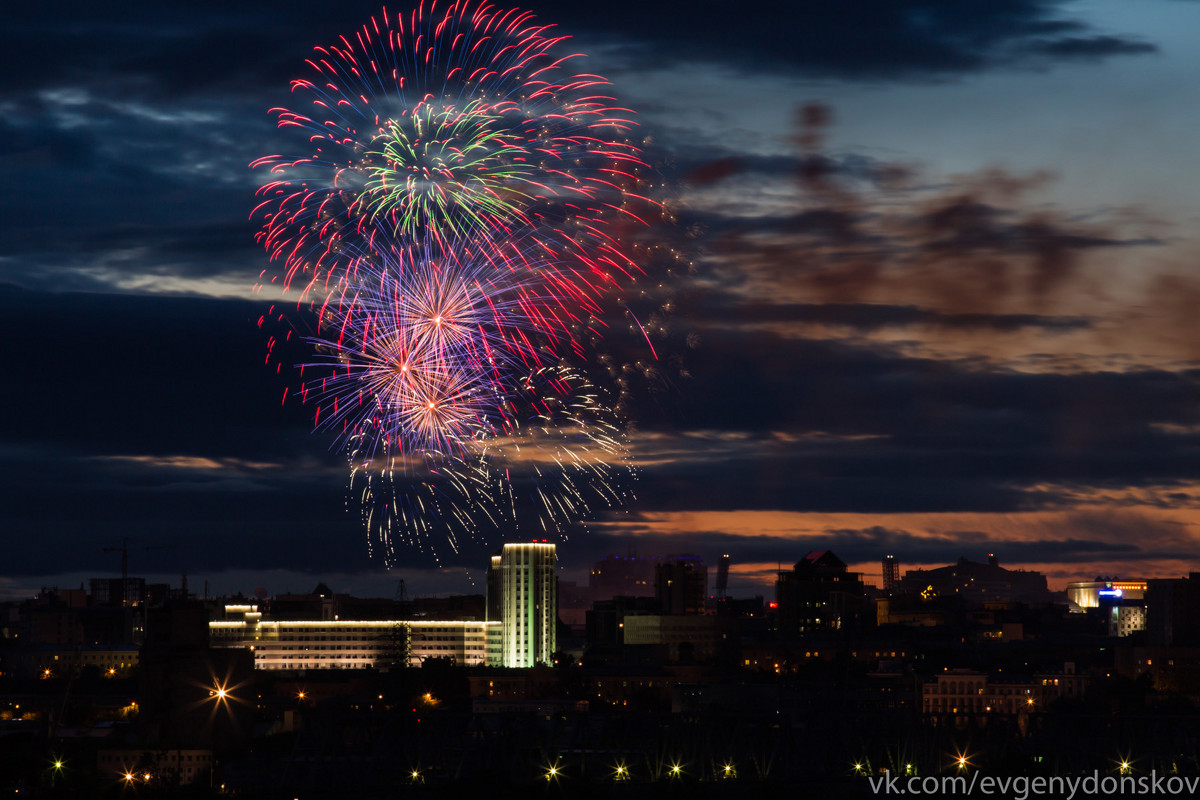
x: 622, y: 576
x: 891, y: 575
x: 683, y: 637
x: 977, y: 583
x: 524, y: 578
x: 1083, y: 595
x: 960, y: 692
x: 819, y: 594
x: 681, y: 585
x: 356, y: 644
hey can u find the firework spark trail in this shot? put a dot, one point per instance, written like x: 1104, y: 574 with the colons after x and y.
x: 558, y: 455
x: 456, y: 226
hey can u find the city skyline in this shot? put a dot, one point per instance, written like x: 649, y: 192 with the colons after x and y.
x: 944, y: 275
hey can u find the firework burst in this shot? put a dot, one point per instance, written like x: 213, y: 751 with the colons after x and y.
x: 456, y: 225
x: 416, y: 355
x: 448, y: 119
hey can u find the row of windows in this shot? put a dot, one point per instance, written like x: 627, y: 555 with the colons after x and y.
x: 377, y: 634
x: 235, y: 636
x: 332, y: 664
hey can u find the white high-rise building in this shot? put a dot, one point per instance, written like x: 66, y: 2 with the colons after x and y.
x: 523, y: 587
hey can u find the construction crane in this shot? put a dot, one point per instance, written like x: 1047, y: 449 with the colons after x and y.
x: 124, y: 551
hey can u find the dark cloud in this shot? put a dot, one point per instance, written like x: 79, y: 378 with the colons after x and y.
x: 113, y: 374
x: 913, y: 434
x: 866, y: 316
x: 1144, y: 541
x: 704, y: 165
x: 1091, y: 47
x: 858, y: 229
x: 857, y: 38
x: 102, y: 258
x: 164, y: 50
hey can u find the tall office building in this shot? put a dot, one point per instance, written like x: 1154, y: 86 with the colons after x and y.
x: 681, y: 585
x: 891, y: 575
x: 523, y: 586
x: 723, y: 577
x: 492, y: 604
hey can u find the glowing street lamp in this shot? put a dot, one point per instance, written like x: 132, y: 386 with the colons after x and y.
x: 676, y: 770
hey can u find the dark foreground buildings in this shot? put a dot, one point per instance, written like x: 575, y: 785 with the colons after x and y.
x: 828, y: 682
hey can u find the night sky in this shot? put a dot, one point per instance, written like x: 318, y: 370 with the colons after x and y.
x: 941, y: 303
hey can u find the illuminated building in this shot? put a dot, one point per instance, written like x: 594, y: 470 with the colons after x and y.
x: 1083, y: 595
x: 959, y: 692
x: 523, y: 584
x: 355, y: 644
x: 1127, y: 617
